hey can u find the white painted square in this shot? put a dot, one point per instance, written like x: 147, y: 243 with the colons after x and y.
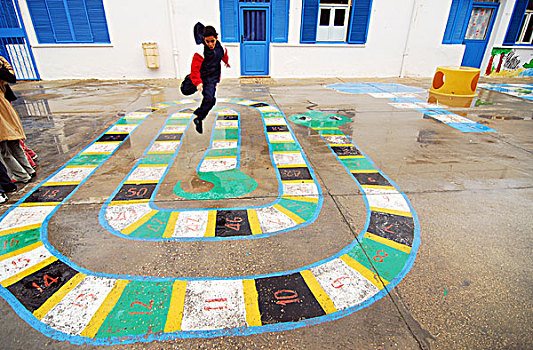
x: 185, y: 101
x: 272, y: 220
x: 214, y: 305
x: 381, y: 95
x: 144, y: 173
x: 227, y: 124
x: 74, y: 312
x: 404, y: 105
x: 247, y: 102
x: 337, y: 140
x: 386, y: 199
x: 191, y: 224
x: 428, y: 105
x: 102, y: 147
x: 288, y: 158
x: 136, y: 115
x: 224, y: 144
x: 300, y: 189
x: 219, y: 164
x: 280, y: 137
x: 275, y: 121
x: 174, y: 129
x: 179, y: 115
x: 119, y: 128
x: 25, y: 216
x: 267, y: 109
x: 167, y: 146
x: 345, y: 286
x: 71, y: 175
x: 449, y: 118
x: 121, y: 216
x: 18, y: 263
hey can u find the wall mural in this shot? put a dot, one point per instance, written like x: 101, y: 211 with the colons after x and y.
x: 506, y: 62
x: 67, y: 302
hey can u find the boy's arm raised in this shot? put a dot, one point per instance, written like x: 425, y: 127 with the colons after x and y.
x: 197, y: 60
x: 225, y: 59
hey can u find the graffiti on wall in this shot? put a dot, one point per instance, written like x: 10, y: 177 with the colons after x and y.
x: 506, y: 62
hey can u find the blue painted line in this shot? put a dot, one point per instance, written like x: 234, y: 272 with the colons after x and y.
x: 471, y: 127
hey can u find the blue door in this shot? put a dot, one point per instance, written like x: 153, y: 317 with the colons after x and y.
x: 14, y: 42
x: 478, y: 32
x: 254, y: 25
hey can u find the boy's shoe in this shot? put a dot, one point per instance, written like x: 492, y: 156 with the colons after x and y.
x: 3, y: 197
x: 11, y: 189
x: 198, y: 124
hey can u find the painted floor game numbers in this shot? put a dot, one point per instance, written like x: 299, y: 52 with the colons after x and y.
x: 131, y: 212
x: 403, y: 97
x: 524, y: 91
x: 67, y: 302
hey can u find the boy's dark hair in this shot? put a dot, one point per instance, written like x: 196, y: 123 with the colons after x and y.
x: 210, y: 31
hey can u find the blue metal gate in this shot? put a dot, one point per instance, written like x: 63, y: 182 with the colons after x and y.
x: 14, y: 42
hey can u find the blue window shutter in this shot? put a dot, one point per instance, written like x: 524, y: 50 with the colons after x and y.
x: 309, y: 21
x: 79, y: 20
x: 515, y: 22
x: 461, y: 22
x: 97, y: 20
x: 60, y: 21
x: 280, y: 21
x: 41, y: 21
x: 359, y: 19
x: 451, y: 21
x: 229, y: 20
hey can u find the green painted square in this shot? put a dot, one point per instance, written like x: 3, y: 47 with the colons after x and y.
x: 226, y: 134
x: 125, y: 121
x: 388, y: 261
x: 357, y: 164
x: 177, y: 122
x: 156, y: 159
x: 89, y: 159
x: 272, y: 115
x: 227, y: 152
x: 286, y: 146
x: 141, y: 309
x: 305, y: 210
x: 155, y: 227
x: 330, y: 132
x: 14, y: 241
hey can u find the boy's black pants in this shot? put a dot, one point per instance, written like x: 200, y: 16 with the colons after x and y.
x: 208, y: 92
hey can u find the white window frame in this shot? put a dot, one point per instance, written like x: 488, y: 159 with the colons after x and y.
x: 332, y: 33
x: 528, y: 17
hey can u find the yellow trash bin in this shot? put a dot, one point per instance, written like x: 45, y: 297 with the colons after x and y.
x: 455, y: 81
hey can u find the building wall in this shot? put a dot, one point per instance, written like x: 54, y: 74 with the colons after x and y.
x: 404, y: 39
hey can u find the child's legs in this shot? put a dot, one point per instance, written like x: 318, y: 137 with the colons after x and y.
x: 208, y: 101
x: 187, y: 87
x: 17, y: 171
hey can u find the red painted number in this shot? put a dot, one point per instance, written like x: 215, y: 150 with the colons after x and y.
x: 218, y: 300
x: 49, y: 280
x: 156, y: 225
x: 50, y: 194
x: 286, y: 296
x: 134, y: 192
x: 13, y: 243
x: 81, y: 298
x: 380, y: 254
x: 337, y: 283
x: 149, y: 307
x: 234, y: 224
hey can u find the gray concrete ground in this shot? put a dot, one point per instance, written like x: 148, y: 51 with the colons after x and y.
x: 470, y: 287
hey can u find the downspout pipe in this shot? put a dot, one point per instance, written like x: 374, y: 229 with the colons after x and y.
x: 175, y: 54
x: 408, y: 37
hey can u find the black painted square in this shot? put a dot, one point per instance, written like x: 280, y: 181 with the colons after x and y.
x: 260, y: 104
x: 112, y: 137
x: 277, y: 128
x: 228, y: 117
x: 50, y: 194
x: 371, y: 179
x: 232, y: 223
x: 134, y: 191
x: 346, y: 151
x: 397, y: 228
x: 33, y: 290
x: 169, y: 137
x: 286, y: 299
x: 288, y: 174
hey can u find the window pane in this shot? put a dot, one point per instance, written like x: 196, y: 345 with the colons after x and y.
x: 324, y: 17
x: 529, y: 30
x: 530, y: 5
x: 479, y: 23
x: 339, y: 17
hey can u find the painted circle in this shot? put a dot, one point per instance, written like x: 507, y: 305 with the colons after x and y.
x: 438, y: 80
x: 473, y: 84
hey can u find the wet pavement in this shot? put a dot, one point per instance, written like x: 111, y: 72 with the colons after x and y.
x: 469, y: 287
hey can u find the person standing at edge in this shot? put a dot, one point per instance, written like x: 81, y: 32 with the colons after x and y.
x: 205, y: 71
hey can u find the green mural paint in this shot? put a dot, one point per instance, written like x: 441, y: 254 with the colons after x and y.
x: 227, y: 184
x: 141, y: 309
x: 155, y: 227
x: 357, y: 164
x: 88, y: 159
x: 177, y: 122
x: 305, y: 210
x: 316, y: 119
x: 156, y: 159
x: 285, y: 147
x: 129, y: 121
x: 226, y: 152
x: 14, y: 241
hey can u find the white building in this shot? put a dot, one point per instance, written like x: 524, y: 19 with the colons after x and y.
x: 103, y: 39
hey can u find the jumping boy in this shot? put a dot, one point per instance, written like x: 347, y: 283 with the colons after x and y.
x: 205, y: 71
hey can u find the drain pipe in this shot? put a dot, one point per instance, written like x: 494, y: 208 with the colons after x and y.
x: 175, y: 56
x: 407, y: 39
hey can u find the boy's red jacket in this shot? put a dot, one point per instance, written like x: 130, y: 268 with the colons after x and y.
x: 198, y: 60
